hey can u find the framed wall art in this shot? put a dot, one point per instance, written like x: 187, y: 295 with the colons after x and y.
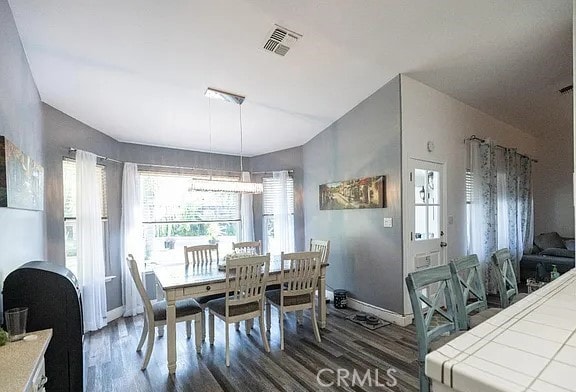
x: 367, y: 192
x: 21, y: 179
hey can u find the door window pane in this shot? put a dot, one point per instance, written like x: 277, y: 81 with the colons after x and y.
x: 433, y: 222
x: 420, y: 225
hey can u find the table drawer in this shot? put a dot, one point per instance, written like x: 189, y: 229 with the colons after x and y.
x: 208, y: 289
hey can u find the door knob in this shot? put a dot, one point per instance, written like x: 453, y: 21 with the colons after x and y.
x: 443, y: 244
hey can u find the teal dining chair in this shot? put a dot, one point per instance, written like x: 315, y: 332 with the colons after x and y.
x: 470, y: 294
x: 432, y: 297
x: 506, y: 278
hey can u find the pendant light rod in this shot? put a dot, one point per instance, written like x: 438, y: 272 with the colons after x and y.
x: 241, y: 141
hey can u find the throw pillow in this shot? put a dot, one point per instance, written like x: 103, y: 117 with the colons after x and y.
x: 549, y: 240
x: 570, y: 244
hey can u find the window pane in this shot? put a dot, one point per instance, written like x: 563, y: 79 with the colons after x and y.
x: 164, y: 242
x: 169, y: 198
x: 420, y: 232
x: 433, y: 222
x: 432, y: 187
x: 419, y: 186
x: 69, y: 182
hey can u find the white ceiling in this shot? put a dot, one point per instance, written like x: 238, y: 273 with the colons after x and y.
x: 137, y: 69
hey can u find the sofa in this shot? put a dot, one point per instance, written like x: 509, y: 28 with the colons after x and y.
x: 549, y: 249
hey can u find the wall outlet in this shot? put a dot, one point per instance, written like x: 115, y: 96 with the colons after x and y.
x: 387, y: 222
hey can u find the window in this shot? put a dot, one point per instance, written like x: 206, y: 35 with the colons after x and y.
x: 427, y: 205
x: 174, y: 216
x: 70, y: 227
x: 270, y: 194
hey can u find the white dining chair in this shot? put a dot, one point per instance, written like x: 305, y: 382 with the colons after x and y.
x: 246, y: 282
x: 155, y: 315
x: 298, y: 283
x: 248, y: 246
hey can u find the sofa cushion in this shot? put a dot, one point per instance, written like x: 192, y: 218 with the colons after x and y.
x: 549, y: 240
x: 559, y: 252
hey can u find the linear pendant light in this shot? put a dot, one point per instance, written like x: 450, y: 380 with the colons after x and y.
x: 226, y: 186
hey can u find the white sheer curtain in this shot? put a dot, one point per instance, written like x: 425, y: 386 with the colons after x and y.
x: 246, y: 212
x: 283, y: 220
x: 91, y: 269
x: 131, y: 241
x: 501, y: 206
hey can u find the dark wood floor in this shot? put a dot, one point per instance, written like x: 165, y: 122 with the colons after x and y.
x: 113, y: 364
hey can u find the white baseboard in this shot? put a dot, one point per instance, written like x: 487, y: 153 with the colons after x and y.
x: 115, y: 314
x: 384, y: 314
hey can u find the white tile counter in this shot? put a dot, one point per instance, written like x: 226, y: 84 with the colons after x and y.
x: 530, y: 346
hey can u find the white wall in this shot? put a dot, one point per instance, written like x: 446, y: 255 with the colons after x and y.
x: 429, y: 115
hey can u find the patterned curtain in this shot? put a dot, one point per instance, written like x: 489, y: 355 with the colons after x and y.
x: 501, y: 206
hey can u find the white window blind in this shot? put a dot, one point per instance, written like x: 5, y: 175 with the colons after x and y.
x: 69, y: 179
x: 468, y: 186
x: 169, y: 198
x: 272, y: 189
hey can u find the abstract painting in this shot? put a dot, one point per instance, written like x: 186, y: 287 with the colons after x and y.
x: 21, y: 179
x: 367, y: 192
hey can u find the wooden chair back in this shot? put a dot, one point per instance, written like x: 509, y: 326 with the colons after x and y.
x: 201, y: 255
x: 505, y: 276
x: 133, y: 267
x: 321, y: 246
x: 470, y: 294
x: 249, y: 246
x: 246, y: 279
x: 300, y: 271
x: 430, y: 309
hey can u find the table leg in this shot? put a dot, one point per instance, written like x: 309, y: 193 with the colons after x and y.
x: 171, y: 331
x: 322, y: 301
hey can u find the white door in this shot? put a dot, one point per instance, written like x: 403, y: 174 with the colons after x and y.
x: 427, y: 242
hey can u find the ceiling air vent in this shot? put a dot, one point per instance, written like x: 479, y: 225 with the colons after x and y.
x: 280, y: 40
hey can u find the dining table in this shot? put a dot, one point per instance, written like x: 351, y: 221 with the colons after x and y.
x: 180, y: 281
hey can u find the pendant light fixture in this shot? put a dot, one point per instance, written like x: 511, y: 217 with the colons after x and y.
x: 226, y: 186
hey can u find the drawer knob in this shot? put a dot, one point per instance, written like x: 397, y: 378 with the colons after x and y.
x: 208, y: 288
x: 42, y: 383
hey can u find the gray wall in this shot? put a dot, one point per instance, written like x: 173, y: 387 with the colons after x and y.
x: 63, y: 132
x: 552, y: 176
x: 22, y: 233
x: 365, y: 257
x: 290, y: 159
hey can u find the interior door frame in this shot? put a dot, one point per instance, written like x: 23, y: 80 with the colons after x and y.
x: 407, y: 209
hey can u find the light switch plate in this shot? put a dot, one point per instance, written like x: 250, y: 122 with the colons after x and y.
x: 387, y: 222
x: 451, y: 220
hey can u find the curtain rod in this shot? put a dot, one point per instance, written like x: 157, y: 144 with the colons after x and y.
x: 476, y: 138
x: 270, y: 172
x: 73, y: 149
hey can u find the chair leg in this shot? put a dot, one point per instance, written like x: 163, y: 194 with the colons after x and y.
x: 424, y: 380
x: 248, y: 326
x: 149, y: 347
x: 188, y: 329
x: 315, y: 323
x: 144, y: 334
x: 198, y: 329
x: 203, y: 325
x: 161, y: 331
x: 281, y: 329
x: 237, y: 326
x: 211, y: 328
x: 263, y: 333
x: 268, y: 316
x: 227, y: 345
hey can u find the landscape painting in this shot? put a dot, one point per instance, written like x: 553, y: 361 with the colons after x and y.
x: 367, y: 192
x: 21, y: 179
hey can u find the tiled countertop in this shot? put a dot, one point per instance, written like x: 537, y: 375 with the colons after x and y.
x: 18, y: 360
x: 530, y: 346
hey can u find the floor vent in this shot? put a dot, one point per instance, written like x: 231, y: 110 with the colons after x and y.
x: 280, y: 40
